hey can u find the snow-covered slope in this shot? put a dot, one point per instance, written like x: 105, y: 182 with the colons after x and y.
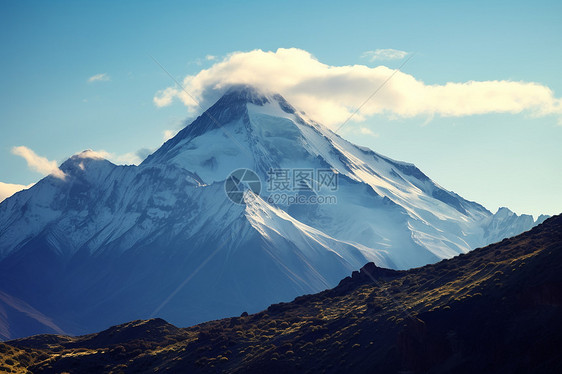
x: 109, y: 243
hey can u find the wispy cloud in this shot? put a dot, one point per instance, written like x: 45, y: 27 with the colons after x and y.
x: 103, y: 77
x: 166, y: 97
x: 38, y: 163
x: 384, y: 54
x: 169, y: 134
x: 367, y: 131
x: 143, y: 153
x: 90, y: 153
x: 8, y: 189
x: 130, y: 158
x: 202, y: 60
x: 330, y: 94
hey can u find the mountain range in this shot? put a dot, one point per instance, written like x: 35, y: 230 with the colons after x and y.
x: 252, y: 203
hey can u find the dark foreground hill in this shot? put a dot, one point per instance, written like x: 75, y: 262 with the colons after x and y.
x: 497, y: 309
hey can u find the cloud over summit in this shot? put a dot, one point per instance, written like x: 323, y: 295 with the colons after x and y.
x: 329, y: 94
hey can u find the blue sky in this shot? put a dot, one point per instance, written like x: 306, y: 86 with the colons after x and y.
x: 51, y: 49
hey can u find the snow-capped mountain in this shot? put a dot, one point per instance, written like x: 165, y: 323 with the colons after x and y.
x: 109, y: 243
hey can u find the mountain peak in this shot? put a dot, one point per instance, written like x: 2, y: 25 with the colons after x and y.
x: 245, y: 93
x: 86, y: 159
x: 504, y: 211
x: 230, y: 108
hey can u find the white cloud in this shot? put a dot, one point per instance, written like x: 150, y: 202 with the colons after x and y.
x: 200, y: 61
x: 367, y: 131
x: 8, y: 189
x: 384, y: 54
x: 165, y: 97
x: 169, y: 134
x: 89, y: 153
x: 103, y: 77
x: 329, y: 94
x: 130, y: 158
x: 38, y: 163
